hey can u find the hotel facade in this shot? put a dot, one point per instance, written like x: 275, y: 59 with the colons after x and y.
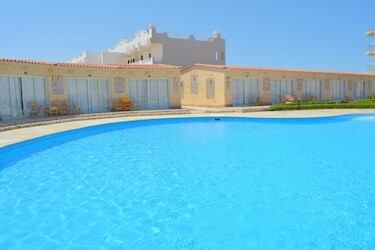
x: 91, y: 86
x: 221, y: 86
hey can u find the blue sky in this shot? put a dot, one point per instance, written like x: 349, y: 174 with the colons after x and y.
x: 303, y: 34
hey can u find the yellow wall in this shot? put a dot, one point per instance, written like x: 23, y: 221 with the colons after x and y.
x: 199, y: 99
x: 225, y: 75
x: 23, y: 69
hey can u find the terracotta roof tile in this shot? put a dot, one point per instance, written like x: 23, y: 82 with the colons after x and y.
x: 249, y: 68
x: 102, y: 66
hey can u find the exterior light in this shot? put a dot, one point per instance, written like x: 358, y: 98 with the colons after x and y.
x: 228, y: 80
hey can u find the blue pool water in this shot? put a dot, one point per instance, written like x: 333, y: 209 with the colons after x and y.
x: 233, y: 183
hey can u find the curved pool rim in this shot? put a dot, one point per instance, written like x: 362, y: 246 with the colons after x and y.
x: 84, y: 133
x: 62, y: 137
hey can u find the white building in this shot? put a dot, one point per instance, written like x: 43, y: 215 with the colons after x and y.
x: 371, y: 51
x: 151, y: 47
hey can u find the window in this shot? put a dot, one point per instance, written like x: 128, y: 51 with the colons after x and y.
x: 217, y: 56
x: 175, y: 84
x: 133, y: 60
x: 210, y: 89
x: 194, y: 84
x: 150, y: 93
x: 312, y: 89
x: 149, y: 55
x: 182, y: 90
x: 222, y: 55
x: 141, y: 57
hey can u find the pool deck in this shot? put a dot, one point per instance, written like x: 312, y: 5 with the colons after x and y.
x: 12, y: 132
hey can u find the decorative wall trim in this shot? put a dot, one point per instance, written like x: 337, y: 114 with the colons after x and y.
x: 266, y: 84
x: 327, y: 85
x: 119, y: 85
x: 182, y: 90
x: 194, y: 84
x: 210, y: 88
x: 350, y: 84
x: 57, y: 85
x: 175, y: 84
x: 227, y: 84
x: 299, y: 84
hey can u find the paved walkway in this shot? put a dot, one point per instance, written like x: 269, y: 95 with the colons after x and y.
x: 13, y: 133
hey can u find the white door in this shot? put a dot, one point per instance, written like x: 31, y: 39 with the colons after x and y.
x: 104, y: 95
x: 163, y: 94
x: 153, y: 93
x: 358, y: 90
x: 72, y: 91
x: 251, y: 91
x: 234, y: 92
x: 40, y: 92
x: 93, y: 93
x: 276, y: 91
x: 10, y: 97
x: 82, y: 95
x: 238, y: 95
x: 28, y: 94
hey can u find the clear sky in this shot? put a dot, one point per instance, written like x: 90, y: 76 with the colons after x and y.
x: 303, y: 34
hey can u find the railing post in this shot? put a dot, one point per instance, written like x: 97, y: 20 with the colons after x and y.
x: 299, y: 105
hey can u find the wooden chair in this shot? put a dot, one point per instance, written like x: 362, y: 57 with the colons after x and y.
x: 280, y: 99
x: 53, y: 111
x: 126, y: 104
x: 257, y: 101
x: 35, y: 109
x: 73, y: 108
x: 134, y: 105
x: 63, y: 108
x: 289, y: 99
x: 117, y: 105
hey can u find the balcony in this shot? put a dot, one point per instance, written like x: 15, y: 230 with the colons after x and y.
x: 370, y: 49
x: 370, y: 33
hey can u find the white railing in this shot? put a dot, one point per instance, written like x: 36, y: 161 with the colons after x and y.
x: 183, y: 36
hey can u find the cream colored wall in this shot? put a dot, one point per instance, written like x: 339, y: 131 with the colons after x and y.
x: 200, y: 99
x: 224, y: 76
x: 66, y: 72
x: 296, y: 76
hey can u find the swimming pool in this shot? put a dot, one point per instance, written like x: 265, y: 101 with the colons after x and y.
x: 193, y: 183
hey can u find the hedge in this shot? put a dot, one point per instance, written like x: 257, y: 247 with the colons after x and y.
x: 359, y: 104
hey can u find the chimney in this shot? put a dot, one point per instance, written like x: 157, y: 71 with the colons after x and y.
x: 217, y: 34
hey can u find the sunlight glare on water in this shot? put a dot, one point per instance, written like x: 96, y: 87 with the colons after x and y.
x: 194, y: 183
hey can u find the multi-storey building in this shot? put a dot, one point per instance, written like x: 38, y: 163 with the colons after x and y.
x: 371, y: 50
x: 151, y: 47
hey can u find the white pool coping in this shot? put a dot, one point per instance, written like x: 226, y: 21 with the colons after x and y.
x: 21, y: 134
